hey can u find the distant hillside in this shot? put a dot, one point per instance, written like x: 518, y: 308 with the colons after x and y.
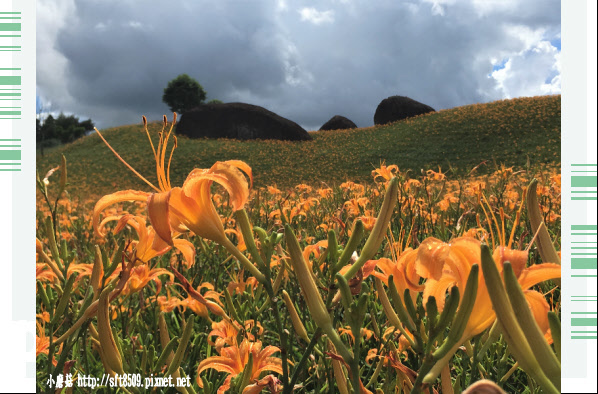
x: 510, y: 132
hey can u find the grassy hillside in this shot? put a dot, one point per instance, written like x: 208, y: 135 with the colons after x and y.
x: 510, y: 132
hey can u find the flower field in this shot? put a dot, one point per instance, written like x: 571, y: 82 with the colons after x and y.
x: 440, y: 280
x: 514, y: 132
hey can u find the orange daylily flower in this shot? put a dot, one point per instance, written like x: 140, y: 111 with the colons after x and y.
x: 42, y: 341
x: 142, y: 275
x: 168, y: 303
x: 44, y: 273
x: 149, y: 245
x: 226, y: 332
x: 273, y: 384
x: 385, y: 172
x: 239, y: 284
x: 448, y: 264
x: 403, y: 271
x: 365, y: 333
x: 233, y: 359
x: 189, y: 207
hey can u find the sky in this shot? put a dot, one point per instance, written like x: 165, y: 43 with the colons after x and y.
x: 110, y: 60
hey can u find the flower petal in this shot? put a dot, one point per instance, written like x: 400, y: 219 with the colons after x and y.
x: 158, y: 213
x: 538, y: 273
x: 197, y: 213
x: 187, y: 249
x: 539, y: 307
x: 226, y: 175
x: 432, y: 254
x: 110, y: 199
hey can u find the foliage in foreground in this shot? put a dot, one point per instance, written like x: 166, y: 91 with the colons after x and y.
x: 266, y: 292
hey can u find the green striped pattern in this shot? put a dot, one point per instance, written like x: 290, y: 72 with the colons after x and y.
x: 10, y: 93
x: 10, y: 27
x: 584, y: 324
x: 10, y: 155
x: 583, y: 182
x: 584, y: 250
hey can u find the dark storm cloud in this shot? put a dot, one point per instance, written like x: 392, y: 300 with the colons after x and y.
x: 302, y: 60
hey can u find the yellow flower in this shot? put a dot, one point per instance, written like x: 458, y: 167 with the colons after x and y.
x: 180, y: 208
x: 403, y: 271
x: 190, y: 207
x: 448, y: 264
x: 168, y: 303
x: 148, y: 244
x: 142, y: 275
x: 232, y: 360
x: 385, y: 172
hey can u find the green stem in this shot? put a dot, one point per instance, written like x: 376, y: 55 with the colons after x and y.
x: 436, y: 368
x: 243, y: 221
x: 243, y: 260
x: 288, y: 389
x: 279, y: 327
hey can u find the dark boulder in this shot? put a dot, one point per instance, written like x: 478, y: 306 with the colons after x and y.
x: 338, y: 122
x: 396, y: 108
x: 238, y: 121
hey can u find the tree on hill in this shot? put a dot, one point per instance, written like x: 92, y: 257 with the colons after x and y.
x: 183, y: 93
x: 62, y: 129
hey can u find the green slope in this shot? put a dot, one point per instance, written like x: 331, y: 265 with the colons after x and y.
x: 510, y: 132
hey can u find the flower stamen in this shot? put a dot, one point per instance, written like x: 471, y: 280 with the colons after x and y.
x: 125, y: 163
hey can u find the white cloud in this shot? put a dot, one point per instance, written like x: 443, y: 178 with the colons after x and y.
x: 310, y: 14
x: 281, y: 5
x: 438, y: 6
x: 487, y: 7
x: 135, y: 24
x: 268, y: 53
x: 52, y: 16
x: 534, y: 72
x: 100, y: 26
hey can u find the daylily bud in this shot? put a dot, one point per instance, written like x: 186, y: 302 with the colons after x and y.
x: 180, y: 351
x: 462, y: 317
x: 450, y: 307
x: 62, y: 183
x: 345, y: 290
x: 312, y: 296
x: 544, y: 354
x: 351, y: 245
x: 339, y: 374
x: 297, y: 324
x: 97, y: 272
x: 332, y: 246
x: 231, y: 306
x: 545, y: 246
x: 555, y: 331
x: 398, y: 302
x: 388, y: 310
x: 111, y: 356
x: 65, y: 298
x: 52, y: 242
x: 43, y: 295
x: 314, y: 301
x: 379, y: 231
x: 246, y: 230
x: 510, y: 328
